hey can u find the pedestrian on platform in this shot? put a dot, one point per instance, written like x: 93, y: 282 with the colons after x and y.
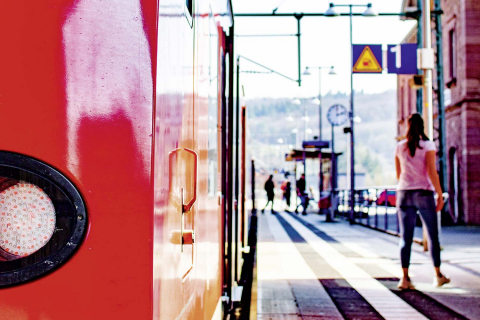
x: 302, y: 194
x: 287, y: 194
x: 417, y: 181
x: 269, y: 188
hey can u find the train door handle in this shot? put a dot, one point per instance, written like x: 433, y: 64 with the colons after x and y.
x: 186, y: 237
x: 187, y: 207
x: 178, y: 237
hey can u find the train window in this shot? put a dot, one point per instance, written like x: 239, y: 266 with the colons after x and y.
x: 189, y: 12
x: 42, y: 218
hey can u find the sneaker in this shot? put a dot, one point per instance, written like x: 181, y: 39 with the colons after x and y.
x: 405, y: 284
x: 440, y: 281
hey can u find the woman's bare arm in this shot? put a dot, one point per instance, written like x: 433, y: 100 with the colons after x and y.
x: 433, y: 175
x: 398, y: 168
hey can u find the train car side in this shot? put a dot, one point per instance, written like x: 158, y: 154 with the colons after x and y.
x: 126, y: 104
x: 77, y: 94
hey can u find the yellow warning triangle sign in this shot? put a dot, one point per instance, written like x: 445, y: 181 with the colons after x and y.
x: 367, y: 62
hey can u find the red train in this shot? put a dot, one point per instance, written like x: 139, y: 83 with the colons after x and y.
x: 117, y: 184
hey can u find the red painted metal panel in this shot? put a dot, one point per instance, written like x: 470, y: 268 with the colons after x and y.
x: 76, y: 86
x: 91, y: 88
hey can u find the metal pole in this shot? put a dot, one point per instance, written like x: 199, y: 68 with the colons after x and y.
x: 237, y: 143
x: 419, y: 45
x: 332, y: 178
x: 352, y: 155
x: 320, y: 175
x: 295, y: 172
x: 386, y: 210
x: 442, y: 154
x: 320, y: 103
x: 427, y: 33
x: 299, y: 17
x: 313, y: 14
x: 243, y: 177
x: 254, y: 210
x: 304, y: 123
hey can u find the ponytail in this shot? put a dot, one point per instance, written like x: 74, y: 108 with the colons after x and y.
x: 415, y: 133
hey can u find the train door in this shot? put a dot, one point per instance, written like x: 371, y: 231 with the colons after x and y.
x: 213, y: 231
x: 176, y: 163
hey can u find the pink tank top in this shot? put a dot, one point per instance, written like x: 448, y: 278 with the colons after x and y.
x: 414, y: 174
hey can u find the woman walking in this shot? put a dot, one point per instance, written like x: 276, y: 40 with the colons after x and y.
x: 417, y: 180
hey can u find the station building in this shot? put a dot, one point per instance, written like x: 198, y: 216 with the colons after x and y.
x: 461, y: 65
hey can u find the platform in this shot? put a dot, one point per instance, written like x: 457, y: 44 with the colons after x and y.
x: 309, y: 269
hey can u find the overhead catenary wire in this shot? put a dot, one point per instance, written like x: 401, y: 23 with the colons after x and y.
x: 266, y: 35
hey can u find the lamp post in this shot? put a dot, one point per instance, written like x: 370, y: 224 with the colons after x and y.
x: 368, y: 13
x: 307, y: 73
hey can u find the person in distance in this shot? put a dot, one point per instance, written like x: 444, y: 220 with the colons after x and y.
x: 269, y: 188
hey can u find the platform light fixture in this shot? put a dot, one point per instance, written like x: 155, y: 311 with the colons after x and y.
x: 331, y: 11
x: 369, y: 12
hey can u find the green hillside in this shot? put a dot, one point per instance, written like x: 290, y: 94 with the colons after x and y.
x: 272, y: 124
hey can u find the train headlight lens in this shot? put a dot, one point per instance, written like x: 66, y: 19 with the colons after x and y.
x: 43, y: 219
x: 27, y: 219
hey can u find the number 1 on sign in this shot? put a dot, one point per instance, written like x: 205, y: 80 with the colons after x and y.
x: 398, y: 55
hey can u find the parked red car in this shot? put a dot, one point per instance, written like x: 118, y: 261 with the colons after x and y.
x: 391, y: 198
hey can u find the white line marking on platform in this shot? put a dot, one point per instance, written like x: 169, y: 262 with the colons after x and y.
x: 381, y: 298
x: 281, y: 261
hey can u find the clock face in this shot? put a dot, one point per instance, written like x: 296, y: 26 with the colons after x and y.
x: 337, y: 115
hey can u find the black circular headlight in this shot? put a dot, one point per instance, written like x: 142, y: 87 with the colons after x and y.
x: 42, y: 218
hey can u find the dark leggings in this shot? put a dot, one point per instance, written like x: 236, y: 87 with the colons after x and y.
x: 408, y: 203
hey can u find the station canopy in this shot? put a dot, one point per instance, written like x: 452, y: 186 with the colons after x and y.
x: 297, y: 155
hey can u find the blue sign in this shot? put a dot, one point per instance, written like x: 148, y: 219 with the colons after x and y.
x: 367, y: 58
x: 402, y: 58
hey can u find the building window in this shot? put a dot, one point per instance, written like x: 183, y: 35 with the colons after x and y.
x: 452, y: 56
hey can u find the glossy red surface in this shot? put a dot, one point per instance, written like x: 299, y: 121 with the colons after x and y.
x: 187, y: 76
x: 103, y: 91
x: 77, y: 86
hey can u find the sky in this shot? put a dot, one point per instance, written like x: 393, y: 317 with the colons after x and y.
x: 325, y: 42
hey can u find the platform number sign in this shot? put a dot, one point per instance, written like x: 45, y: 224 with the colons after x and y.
x: 402, y: 58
